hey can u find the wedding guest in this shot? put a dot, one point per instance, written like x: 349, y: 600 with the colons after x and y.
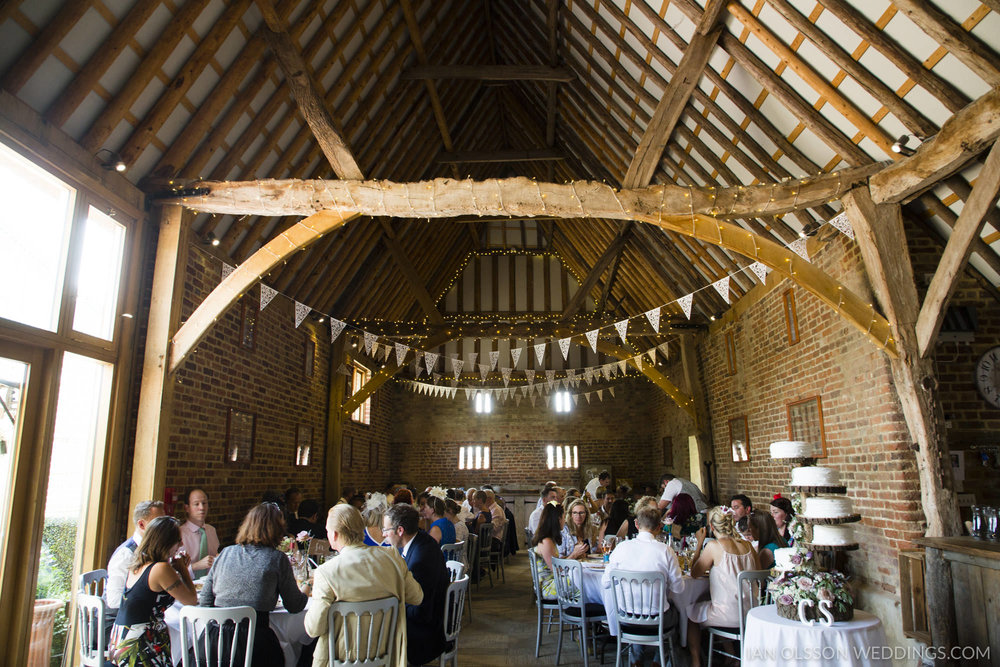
x: 201, y: 542
x: 358, y: 574
x: 782, y: 513
x: 682, y: 517
x: 357, y: 501
x: 548, y: 493
x: 253, y: 573
x: 602, y: 481
x: 451, y: 510
x: 307, y: 521
x: 605, y: 499
x: 118, y: 566
x: 293, y: 497
x: 372, y: 514
x: 617, y: 522
x: 722, y: 560
x: 402, y: 496
x: 671, y: 486
x: 157, y: 576
x: 765, y: 534
x: 742, y: 507
x: 546, y: 542
x: 432, y: 509
x: 578, y: 531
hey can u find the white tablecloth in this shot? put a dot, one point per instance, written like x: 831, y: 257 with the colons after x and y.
x: 694, y: 590
x: 772, y: 640
x: 289, y: 628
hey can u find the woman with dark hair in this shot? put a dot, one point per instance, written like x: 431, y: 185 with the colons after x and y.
x: 768, y: 539
x: 403, y: 495
x: 451, y: 512
x: 432, y: 510
x: 617, y: 523
x: 683, y: 516
x: 782, y: 513
x: 157, y: 576
x: 548, y: 537
x: 254, y: 573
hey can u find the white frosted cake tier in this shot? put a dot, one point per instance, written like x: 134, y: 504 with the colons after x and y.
x: 827, y: 507
x: 790, y: 449
x: 783, y: 558
x: 832, y: 536
x: 815, y: 476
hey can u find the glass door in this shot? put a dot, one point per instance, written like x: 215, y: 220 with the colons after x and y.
x: 13, y: 382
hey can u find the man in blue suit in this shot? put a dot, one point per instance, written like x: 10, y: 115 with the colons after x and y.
x: 424, y: 621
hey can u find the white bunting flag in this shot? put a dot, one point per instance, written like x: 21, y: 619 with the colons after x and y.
x: 600, y: 394
x: 540, y: 353
x: 472, y: 358
x: 564, y: 348
x: 266, y: 294
x: 301, y: 310
x: 344, y: 370
x: 664, y: 349
x: 386, y: 352
x: 622, y: 365
x: 587, y: 396
x: 400, y: 353
x: 457, y: 365
x: 226, y: 270
x: 468, y: 393
x: 430, y: 360
x: 506, y: 376
x: 638, y: 362
x: 565, y: 383
x: 760, y: 270
x: 517, y: 400
x: 722, y: 287
x: 336, y: 328
x: 550, y: 377
x: 607, y: 370
x: 652, y: 355
x: 685, y: 304
x: 370, y: 339
x: 800, y: 248
x: 576, y: 399
x: 418, y: 367
x: 592, y: 339
x: 530, y: 374
x: 843, y: 224
x: 654, y: 318
x: 494, y: 358
x: 533, y: 400
x: 622, y: 328
x: 611, y: 390
x: 484, y: 370
x: 588, y: 376
x: 571, y: 373
x: 515, y: 355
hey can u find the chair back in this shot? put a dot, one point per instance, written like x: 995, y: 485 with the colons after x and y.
x: 528, y: 537
x: 568, y: 575
x: 503, y: 537
x: 207, y: 639
x: 90, y: 610
x: 453, y: 606
x: 93, y: 582
x: 453, y: 552
x: 456, y: 569
x: 485, y: 540
x: 368, y: 630
x: 752, y: 585
x: 533, y: 565
x: 638, y: 598
x: 472, y: 550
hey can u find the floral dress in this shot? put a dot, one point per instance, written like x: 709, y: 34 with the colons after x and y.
x: 140, y: 636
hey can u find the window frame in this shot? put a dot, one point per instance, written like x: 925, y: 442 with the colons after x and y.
x: 363, y: 413
x: 791, y: 316
x: 467, y: 456
x: 557, y: 457
x: 730, y: 341
x: 790, y: 408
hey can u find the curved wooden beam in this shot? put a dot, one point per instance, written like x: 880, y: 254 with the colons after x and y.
x: 443, y: 198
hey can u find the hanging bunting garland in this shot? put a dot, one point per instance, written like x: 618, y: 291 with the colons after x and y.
x: 226, y: 270
x: 550, y: 377
x: 760, y: 270
x: 336, y: 328
x: 533, y: 401
x: 431, y: 359
x: 506, y: 376
x: 638, y: 362
x: 685, y: 303
x: 540, y: 353
x: 622, y: 365
x: 654, y: 318
x: 484, y: 370
x: 571, y: 374
x: 587, y: 396
x: 517, y: 401
x: 468, y: 393
x: 386, y: 352
x: 600, y: 395
x: 301, y: 311
x: 799, y: 247
x: 266, y: 294
x: 576, y: 399
x: 400, y: 353
x: 722, y: 287
x: 652, y: 355
x: 472, y: 358
x: 494, y: 358
x: 457, y: 364
x: 564, y: 348
x: 588, y: 376
x: 611, y: 390
x: 843, y: 224
x: 515, y: 355
x: 530, y: 374
x: 622, y: 328
x: 592, y: 339
x: 370, y: 339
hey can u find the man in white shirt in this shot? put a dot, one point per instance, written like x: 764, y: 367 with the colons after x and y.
x: 645, y: 554
x: 548, y: 493
x: 144, y: 512
x: 603, y: 479
x: 672, y: 485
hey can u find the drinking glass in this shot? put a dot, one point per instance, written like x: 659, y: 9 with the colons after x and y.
x: 992, y: 525
x: 978, y: 522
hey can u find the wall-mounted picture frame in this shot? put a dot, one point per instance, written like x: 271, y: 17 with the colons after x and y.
x: 303, y: 445
x: 805, y: 423
x: 668, y: 451
x: 739, y: 439
x: 309, y: 362
x: 248, y: 324
x: 240, y: 431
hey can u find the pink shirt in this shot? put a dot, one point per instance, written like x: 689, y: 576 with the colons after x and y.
x: 191, y: 539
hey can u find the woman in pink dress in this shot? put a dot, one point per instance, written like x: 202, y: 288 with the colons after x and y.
x: 722, y: 560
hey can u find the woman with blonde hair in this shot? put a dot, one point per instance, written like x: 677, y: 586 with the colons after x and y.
x: 578, y: 530
x: 722, y: 560
x: 372, y: 514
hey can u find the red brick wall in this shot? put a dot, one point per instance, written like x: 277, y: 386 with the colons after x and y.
x: 669, y: 421
x: 370, y: 455
x: 866, y: 435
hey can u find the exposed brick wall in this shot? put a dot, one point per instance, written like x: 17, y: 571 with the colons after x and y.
x: 369, y: 448
x: 669, y: 421
x: 867, y: 439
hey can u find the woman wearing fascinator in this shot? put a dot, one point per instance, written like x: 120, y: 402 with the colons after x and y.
x: 373, y: 511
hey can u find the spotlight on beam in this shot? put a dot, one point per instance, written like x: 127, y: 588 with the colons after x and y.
x: 110, y: 160
x: 901, y: 146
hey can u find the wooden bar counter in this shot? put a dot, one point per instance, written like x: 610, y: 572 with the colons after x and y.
x: 963, y: 595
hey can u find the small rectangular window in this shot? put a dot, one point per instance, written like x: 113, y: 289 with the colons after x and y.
x: 561, y: 457
x: 484, y: 402
x: 730, y: 353
x: 474, y: 457
x: 563, y: 402
x: 99, y: 275
x: 791, y: 318
x: 359, y: 378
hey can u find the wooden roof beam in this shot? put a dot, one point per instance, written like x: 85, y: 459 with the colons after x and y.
x: 489, y: 73
x: 479, y: 157
x: 935, y: 206
x: 43, y: 44
x: 956, y: 253
x: 412, y: 277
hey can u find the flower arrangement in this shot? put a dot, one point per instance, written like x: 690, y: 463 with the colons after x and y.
x: 794, y: 586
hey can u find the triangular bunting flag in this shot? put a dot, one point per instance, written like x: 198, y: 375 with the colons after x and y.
x: 760, y: 270
x: 722, y: 287
x: 266, y: 294
x: 592, y: 338
x: 576, y: 399
x: 472, y: 358
x: 430, y: 360
x: 799, y: 247
x: 571, y: 373
x: 370, y: 339
x: 550, y: 377
x: 611, y: 390
x: 564, y: 348
x: 540, y: 353
x: 418, y: 367
x: 622, y: 328
x: 587, y: 396
x: 564, y: 382
x: 336, y: 328
x: 494, y: 357
x: 457, y: 364
x: 468, y: 393
x: 484, y: 370
x: 622, y: 365
x: 506, y: 376
x: 517, y: 400
x: 600, y: 394
x: 386, y: 352
x: 654, y: 318
x: 301, y: 310
x: 652, y: 355
x: 606, y: 369
x: 589, y: 376
x: 664, y: 349
x: 226, y: 270
x: 344, y: 370
x: 400, y: 353
x: 515, y: 355
x: 685, y: 304
x: 638, y: 361
x: 530, y: 374
x: 843, y: 224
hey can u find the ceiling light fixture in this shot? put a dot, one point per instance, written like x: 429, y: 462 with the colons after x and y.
x: 110, y: 160
x: 809, y: 229
x: 901, y: 147
x: 213, y: 239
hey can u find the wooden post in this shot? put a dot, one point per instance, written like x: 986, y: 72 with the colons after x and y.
x: 700, y: 438
x: 334, y: 424
x: 941, y: 599
x: 156, y: 391
x: 879, y: 233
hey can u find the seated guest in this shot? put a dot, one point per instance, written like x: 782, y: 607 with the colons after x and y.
x: 497, y: 517
x: 345, y: 494
x: 157, y: 576
x: 451, y: 510
x: 424, y: 621
x: 293, y: 496
x: 541, y: 503
x: 511, y: 546
x: 432, y: 509
x: 682, y: 517
x: 467, y: 503
x: 547, y: 540
x: 617, y: 522
x: 307, y: 521
x: 480, y: 511
x: 548, y: 493
x: 573, y: 493
x: 357, y: 501
x: 765, y: 534
x: 722, y: 560
x: 742, y: 509
x: 646, y: 554
x: 118, y: 566
x: 402, y: 496
x: 671, y: 486
x: 372, y: 514
x: 605, y: 499
x: 358, y: 574
x: 578, y: 531
x: 254, y: 573
x: 782, y: 513
x: 200, y: 539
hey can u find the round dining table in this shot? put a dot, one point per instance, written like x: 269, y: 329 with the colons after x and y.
x: 770, y: 639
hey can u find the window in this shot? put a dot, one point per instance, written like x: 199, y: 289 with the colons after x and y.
x: 791, y: 318
x: 99, y: 275
x: 303, y: 444
x: 561, y: 456
x: 484, y: 402
x: 805, y: 423
x: 359, y: 378
x: 563, y: 402
x: 474, y: 457
x: 739, y: 439
x: 730, y: 353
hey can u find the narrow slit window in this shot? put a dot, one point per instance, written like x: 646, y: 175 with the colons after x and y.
x: 730, y: 353
x: 359, y: 378
x: 561, y: 457
x: 791, y: 317
x: 474, y: 457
